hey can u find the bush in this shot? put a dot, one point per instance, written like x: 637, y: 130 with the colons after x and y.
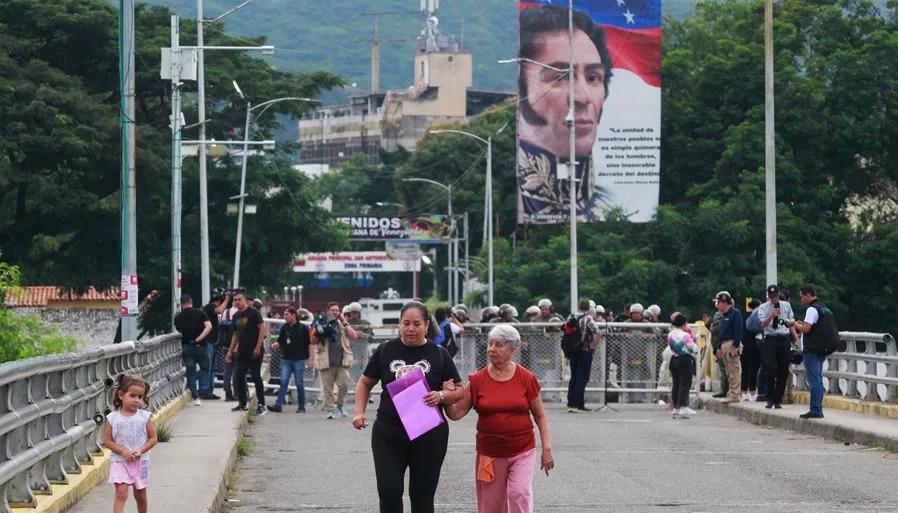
x: 24, y: 336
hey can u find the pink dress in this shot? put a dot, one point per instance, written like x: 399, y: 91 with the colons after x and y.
x: 130, y: 431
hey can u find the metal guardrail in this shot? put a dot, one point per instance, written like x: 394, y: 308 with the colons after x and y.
x: 52, y: 409
x: 868, y: 369
x: 634, y: 352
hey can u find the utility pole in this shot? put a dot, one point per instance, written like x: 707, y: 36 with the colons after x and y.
x: 769, y: 146
x: 175, y: 166
x: 466, y: 281
x: 129, y: 169
x: 375, y: 60
x: 204, y: 196
x: 571, y: 161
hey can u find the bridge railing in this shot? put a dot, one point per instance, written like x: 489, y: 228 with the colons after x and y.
x: 52, y: 409
x: 868, y: 369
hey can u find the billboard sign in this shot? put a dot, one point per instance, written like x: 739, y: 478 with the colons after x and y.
x: 352, y: 262
x: 617, y: 115
x: 423, y: 228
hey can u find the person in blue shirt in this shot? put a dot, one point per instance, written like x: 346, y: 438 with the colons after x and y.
x: 730, y: 336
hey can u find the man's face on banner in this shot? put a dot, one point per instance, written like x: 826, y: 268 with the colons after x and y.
x: 548, y: 93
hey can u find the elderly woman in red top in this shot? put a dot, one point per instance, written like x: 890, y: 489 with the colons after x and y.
x: 505, y: 396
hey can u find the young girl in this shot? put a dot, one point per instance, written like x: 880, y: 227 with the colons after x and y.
x: 682, y: 365
x: 130, y: 434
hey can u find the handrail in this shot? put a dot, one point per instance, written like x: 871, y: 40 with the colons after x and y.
x: 52, y: 409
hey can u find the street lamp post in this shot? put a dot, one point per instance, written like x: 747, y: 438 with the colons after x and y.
x: 488, y: 192
x: 249, y: 114
x: 452, y: 279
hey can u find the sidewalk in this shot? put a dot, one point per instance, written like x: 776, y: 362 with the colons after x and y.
x: 189, y: 473
x: 844, y: 426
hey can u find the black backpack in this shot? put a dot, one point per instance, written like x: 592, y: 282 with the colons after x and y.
x: 824, y: 335
x: 572, y: 337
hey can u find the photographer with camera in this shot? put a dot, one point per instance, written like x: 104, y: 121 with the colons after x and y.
x: 774, y: 315
x: 332, y: 333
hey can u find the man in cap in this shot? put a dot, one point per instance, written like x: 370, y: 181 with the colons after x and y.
x: 730, y: 343
x: 775, y: 315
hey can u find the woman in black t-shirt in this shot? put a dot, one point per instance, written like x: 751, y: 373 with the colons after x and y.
x: 393, y: 451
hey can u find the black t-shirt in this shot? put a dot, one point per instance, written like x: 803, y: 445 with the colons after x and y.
x: 294, y: 341
x: 209, y: 310
x: 247, y: 324
x: 190, y: 324
x: 390, y: 356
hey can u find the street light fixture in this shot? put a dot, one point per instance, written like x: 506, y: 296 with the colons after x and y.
x: 249, y: 115
x: 572, y: 138
x: 452, y: 291
x: 488, y: 192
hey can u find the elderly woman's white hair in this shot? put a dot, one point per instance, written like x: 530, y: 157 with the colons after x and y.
x: 507, y: 334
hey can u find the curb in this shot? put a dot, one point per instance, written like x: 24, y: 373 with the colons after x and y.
x: 822, y: 428
x: 836, y: 402
x: 94, y: 472
x: 227, y: 475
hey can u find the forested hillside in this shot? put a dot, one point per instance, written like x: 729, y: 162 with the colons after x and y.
x: 335, y: 35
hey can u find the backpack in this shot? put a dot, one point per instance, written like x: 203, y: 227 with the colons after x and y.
x: 572, y: 336
x: 753, y: 323
x: 824, y: 335
x: 447, y: 338
x: 441, y: 334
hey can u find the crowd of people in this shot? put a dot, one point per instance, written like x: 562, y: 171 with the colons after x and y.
x: 753, y: 353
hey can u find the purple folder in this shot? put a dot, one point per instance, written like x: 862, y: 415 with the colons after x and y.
x: 408, y: 394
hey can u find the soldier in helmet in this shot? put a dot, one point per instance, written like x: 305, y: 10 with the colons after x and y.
x: 507, y: 313
x: 545, y: 312
x: 531, y: 313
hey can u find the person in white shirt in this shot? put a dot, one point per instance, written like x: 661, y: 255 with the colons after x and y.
x: 775, y: 315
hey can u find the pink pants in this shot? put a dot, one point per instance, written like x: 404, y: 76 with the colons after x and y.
x: 512, y: 489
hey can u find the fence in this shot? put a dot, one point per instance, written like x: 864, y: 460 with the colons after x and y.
x: 634, y: 353
x: 52, y: 408
x: 868, y: 369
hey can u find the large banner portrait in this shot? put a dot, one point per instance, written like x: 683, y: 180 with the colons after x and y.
x: 617, y: 114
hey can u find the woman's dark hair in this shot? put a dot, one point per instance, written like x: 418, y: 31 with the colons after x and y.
x: 421, y: 307
x: 441, y: 313
x: 535, y: 22
x: 678, y: 320
x: 126, y: 381
x: 754, y: 303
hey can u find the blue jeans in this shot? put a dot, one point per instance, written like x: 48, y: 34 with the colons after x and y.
x: 295, y: 368
x: 813, y: 368
x: 207, y: 378
x: 193, y: 356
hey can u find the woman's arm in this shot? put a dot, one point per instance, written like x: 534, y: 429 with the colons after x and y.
x: 362, y: 393
x: 547, y: 462
x: 460, y: 404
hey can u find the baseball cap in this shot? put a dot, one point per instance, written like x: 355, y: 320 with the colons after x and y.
x: 723, y: 296
x: 773, y: 290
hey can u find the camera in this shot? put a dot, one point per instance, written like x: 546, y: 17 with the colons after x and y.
x: 323, y: 327
x: 776, y: 320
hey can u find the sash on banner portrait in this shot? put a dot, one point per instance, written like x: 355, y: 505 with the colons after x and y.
x: 617, y: 119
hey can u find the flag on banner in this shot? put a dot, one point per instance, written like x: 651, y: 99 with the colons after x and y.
x: 618, y: 165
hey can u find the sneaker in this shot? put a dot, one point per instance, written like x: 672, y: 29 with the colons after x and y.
x: 260, y: 410
x: 687, y: 410
x: 571, y: 409
x: 719, y: 396
x: 777, y: 406
x: 332, y: 414
x: 811, y: 415
x: 342, y: 411
x: 300, y: 410
x: 197, y: 402
x: 239, y: 407
x: 676, y: 413
x: 683, y: 413
x: 276, y: 408
x: 769, y: 405
x: 210, y: 397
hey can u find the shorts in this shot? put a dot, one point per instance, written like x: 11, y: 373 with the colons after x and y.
x: 135, y: 473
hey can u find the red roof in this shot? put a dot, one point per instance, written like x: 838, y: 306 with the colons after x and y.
x: 42, y: 295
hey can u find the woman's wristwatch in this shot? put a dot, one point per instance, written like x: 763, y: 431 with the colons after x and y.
x: 442, y: 397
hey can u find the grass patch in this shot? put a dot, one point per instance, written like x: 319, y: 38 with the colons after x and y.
x: 244, y: 446
x: 251, y: 417
x: 164, y: 432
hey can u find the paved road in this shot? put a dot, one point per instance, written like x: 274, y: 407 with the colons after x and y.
x: 624, y: 462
